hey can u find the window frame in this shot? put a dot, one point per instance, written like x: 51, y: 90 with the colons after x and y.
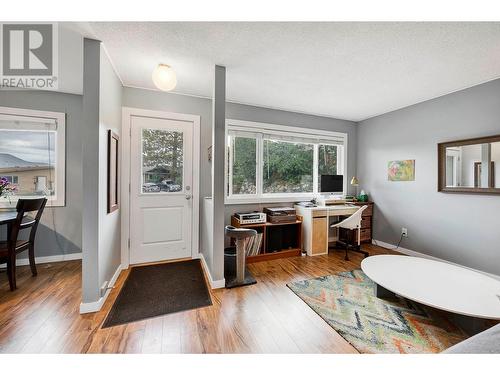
x: 259, y: 129
x: 59, y: 119
x: 11, y: 177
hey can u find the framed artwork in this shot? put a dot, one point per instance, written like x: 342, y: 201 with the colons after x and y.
x: 113, y: 171
x: 401, y: 170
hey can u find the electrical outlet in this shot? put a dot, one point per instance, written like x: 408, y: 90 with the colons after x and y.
x: 404, y: 232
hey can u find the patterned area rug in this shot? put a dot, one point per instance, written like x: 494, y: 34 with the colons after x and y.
x: 348, y: 304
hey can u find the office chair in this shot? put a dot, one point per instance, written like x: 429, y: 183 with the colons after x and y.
x: 346, y: 230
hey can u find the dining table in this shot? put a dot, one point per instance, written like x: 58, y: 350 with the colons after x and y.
x: 7, y: 218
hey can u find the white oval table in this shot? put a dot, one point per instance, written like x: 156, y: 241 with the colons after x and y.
x: 437, y: 284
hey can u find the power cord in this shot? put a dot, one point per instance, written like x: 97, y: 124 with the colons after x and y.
x: 399, y: 242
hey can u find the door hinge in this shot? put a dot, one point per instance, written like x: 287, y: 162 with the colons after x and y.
x: 129, y: 243
x: 129, y: 188
x: 130, y: 131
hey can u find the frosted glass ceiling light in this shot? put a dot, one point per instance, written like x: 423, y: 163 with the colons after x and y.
x: 164, y: 77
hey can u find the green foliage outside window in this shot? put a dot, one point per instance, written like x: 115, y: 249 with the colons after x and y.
x: 288, y: 167
x: 244, y: 154
x: 162, y: 155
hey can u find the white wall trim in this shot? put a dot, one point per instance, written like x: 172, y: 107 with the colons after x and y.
x: 248, y: 104
x: 291, y: 129
x: 414, y: 253
x: 112, y: 63
x: 90, y: 307
x: 214, y: 284
x: 127, y: 113
x: 359, y: 121
x: 47, y: 259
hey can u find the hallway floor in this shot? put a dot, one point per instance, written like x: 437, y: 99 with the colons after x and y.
x: 42, y: 316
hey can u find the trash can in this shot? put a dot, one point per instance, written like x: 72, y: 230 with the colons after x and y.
x: 230, y: 262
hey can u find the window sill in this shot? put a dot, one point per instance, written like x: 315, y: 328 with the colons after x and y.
x: 259, y: 200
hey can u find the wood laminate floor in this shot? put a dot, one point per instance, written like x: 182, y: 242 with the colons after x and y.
x: 42, y: 315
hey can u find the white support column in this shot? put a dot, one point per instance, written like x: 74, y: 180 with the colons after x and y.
x: 90, y: 171
x: 218, y: 134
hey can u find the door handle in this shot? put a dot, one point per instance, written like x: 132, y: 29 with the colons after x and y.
x: 188, y: 196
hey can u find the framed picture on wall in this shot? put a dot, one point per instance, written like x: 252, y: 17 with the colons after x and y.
x: 401, y: 170
x: 113, y: 171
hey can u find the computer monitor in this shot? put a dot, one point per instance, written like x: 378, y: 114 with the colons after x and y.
x: 332, y: 183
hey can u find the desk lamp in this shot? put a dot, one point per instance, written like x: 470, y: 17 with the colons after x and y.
x: 355, y: 182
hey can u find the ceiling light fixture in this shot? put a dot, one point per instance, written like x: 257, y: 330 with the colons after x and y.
x: 164, y: 77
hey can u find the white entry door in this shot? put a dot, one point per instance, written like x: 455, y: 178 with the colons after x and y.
x: 161, y: 176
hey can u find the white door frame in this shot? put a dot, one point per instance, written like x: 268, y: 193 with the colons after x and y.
x: 127, y: 113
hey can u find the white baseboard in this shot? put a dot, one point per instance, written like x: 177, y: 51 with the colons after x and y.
x: 414, y: 253
x: 214, y: 284
x: 90, y: 307
x: 47, y: 259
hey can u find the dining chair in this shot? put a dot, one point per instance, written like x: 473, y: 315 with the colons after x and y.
x: 13, y: 246
x: 347, y: 228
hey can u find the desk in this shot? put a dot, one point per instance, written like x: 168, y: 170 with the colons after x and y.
x: 316, y: 225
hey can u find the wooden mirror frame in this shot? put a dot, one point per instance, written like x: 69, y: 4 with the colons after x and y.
x: 442, y: 166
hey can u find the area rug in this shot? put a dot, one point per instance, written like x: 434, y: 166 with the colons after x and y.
x: 159, y: 289
x: 347, y: 302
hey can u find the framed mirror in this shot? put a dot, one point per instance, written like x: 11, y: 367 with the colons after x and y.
x: 470, y: 166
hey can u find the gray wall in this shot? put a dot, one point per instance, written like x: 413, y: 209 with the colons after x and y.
x: 456, y: 227
x: 67, y: 236
x: 155, y: 100
x: 161, y: 101
x: 110, y: 111
x: 271, y: 116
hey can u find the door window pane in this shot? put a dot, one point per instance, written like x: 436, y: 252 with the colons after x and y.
x: 162, y: 157
x: 243, y: 157
x: 288, y: 167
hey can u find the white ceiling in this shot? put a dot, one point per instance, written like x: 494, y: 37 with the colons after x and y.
x: 345, y: 70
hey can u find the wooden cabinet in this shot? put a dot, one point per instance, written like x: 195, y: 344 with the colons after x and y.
x: 366, y: 222
x: 279, y: 240
x: 320, y: 230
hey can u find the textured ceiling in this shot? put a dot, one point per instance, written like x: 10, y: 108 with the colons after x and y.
x: 346, y: 70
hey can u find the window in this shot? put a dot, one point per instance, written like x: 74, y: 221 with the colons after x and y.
x: 278, y: 163
x: 32, y: 154
x: 11, y: 179
x: 243, y: 154
x: 288, y: 167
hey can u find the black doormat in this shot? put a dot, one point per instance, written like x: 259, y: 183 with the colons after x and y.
x: 159, y: 289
